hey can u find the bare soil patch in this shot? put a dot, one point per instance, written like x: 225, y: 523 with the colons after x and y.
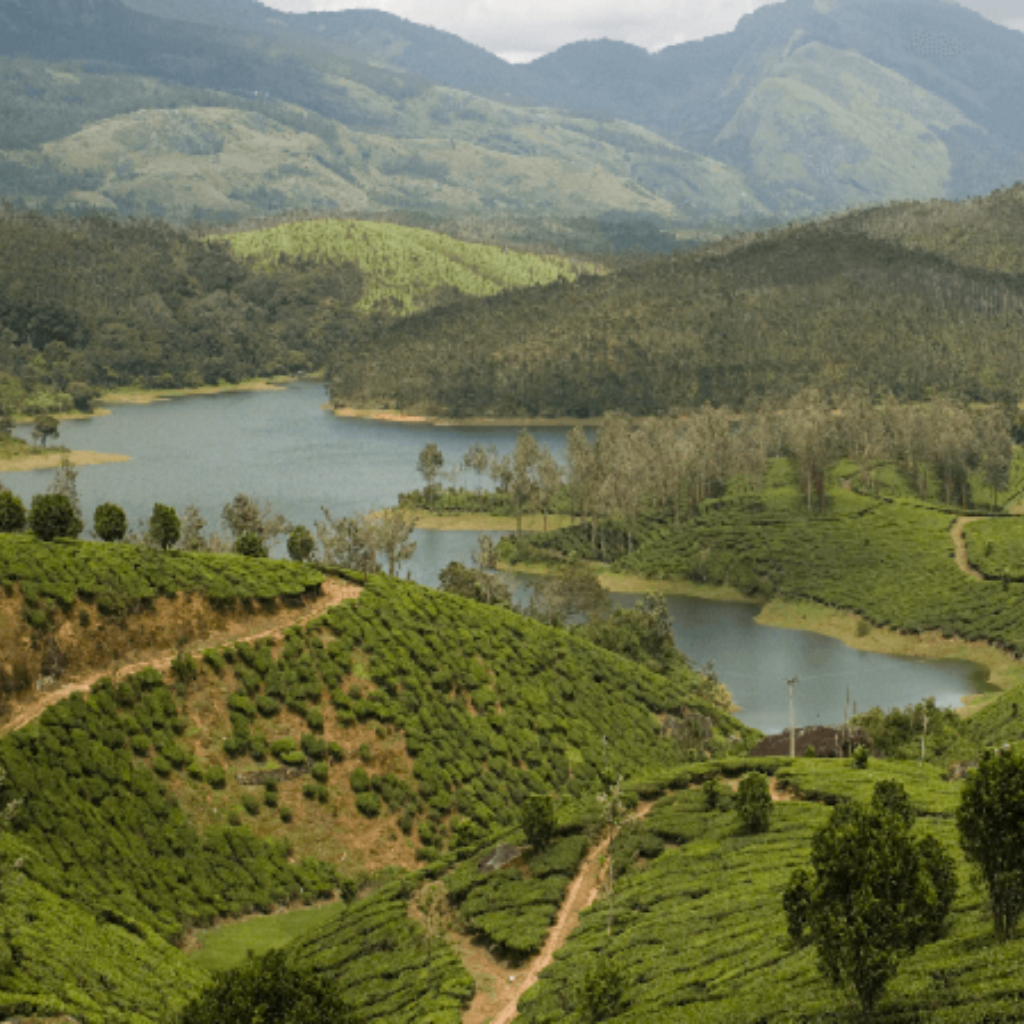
x: 152, y: 638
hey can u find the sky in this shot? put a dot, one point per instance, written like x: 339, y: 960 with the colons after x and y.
x: 522, y: 30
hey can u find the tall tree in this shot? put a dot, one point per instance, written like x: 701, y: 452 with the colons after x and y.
x: 991, y: 824
x: 429, y: 465
x: 876, y: 894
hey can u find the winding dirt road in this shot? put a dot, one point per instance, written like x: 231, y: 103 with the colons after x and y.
x: 333, y: 591
x: 586, y: 887
x: 956, y: 531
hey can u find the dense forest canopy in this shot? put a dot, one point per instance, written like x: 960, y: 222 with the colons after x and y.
x: 910, y: 299
x: 93, y: 303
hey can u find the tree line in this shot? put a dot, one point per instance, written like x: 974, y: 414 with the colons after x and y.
x: 630, y: 468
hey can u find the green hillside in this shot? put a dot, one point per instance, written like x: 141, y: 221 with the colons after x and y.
x: 406, y: 725
x: 886, y: 299
x: 700, y: 932
x: 404, y: 270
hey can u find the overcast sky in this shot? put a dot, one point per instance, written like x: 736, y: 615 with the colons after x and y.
x: 521, y: 30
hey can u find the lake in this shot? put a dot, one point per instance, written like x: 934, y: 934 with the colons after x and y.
x: 283, y: 447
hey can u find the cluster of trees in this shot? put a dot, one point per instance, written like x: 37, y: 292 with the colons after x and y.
x: 88, y: 304
x: 831, y: 305
x: 666, y: 467
x: 874, y: 893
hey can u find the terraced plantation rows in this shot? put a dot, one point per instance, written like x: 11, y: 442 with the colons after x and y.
x: 891, y: 561
x: 118, y: 578
x: 700, y: 930
x: 400, y: 726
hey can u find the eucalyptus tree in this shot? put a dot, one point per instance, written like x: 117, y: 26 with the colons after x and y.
x: 524, y: 485
x: 389, y: 533
x: 429, y: 465
x: 550, y: 479
x: 244, y: 514
x: 346, y: 543
x: 812, y: 439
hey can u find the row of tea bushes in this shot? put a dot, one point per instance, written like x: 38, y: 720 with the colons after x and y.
x: 392, y: 970
x: 513, y: 908
x: 58, y: 958
x: 120, y: 578
x: 119, y: 843
x: 995, y: 547
x: 890, y: 561
x: 698, y: 925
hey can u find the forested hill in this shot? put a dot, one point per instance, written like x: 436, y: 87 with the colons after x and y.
x: 88, y: 304
x: 917, y: 299
x: 404, y: 270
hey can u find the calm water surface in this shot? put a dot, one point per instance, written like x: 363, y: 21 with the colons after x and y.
x: 282, y: 447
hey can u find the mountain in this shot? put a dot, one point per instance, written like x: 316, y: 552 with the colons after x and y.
x: 230, y: 110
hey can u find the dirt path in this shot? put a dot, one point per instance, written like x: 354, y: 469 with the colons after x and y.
x: 332, y: 592
x: 586, y: 887
x: 956, y: 531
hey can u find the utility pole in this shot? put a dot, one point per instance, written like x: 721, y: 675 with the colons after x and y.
x: 792, y: 717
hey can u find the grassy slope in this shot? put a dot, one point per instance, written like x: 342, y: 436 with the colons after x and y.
x: 402, y: 267
x: 700, y: 928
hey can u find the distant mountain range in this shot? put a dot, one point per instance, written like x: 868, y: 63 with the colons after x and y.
x: 227, y: 109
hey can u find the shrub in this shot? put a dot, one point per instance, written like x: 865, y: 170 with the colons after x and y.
x: 164, y: 527
x: 251, y: 545
x: 315, y: 719
x: 53, y: 516
x: 860, y: 757
x: 270, y: 797
x: 267, y: 706
x: 309, y: 790
x: 601, y: 990
x: 216, y: 776
x: 286, y: 814
x: 196, y: 770
x: 365, y: 754
x: 335, y: 752
x: 251, y: 803
x: 754, y: 802
x: 184, y: 668
x: 162, y: 766
x: 140, y: 744
x: 12, y: 513
x: 538, y: 821
x: 300, y: 544
x: 110, y: 522
x: 359, y: 780
x: 368, y: 804
x: 321, y: 771
x: 268, y: 988
x: 234, y: 818
x: 292, y: 758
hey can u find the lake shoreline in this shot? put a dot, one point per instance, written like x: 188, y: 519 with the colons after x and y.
x: 397, y: 416
x: 52, y: 460
x: 1004, y: 670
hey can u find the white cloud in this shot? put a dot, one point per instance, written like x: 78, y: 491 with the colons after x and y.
x: 521, y: 30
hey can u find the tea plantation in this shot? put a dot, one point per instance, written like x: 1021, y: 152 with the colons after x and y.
x: 699, y: 927
x: 488, y: 706
x: 889, y: 560
x: 119, y: 578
